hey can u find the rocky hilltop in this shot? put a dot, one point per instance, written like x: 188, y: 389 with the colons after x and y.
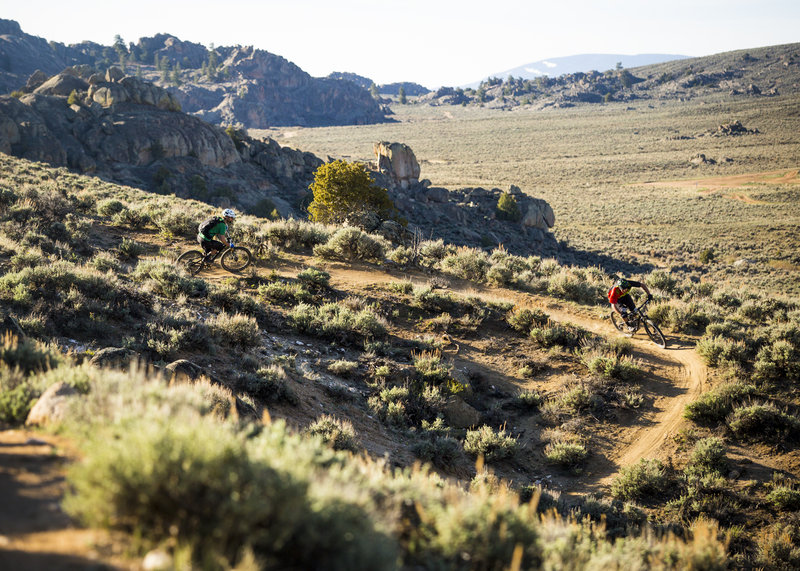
x: 133, y: 132
x: 760, y: 72
x: 225, y: 85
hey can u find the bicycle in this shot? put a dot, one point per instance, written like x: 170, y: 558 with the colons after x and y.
x: 636, y: 319
x: 233, y: 258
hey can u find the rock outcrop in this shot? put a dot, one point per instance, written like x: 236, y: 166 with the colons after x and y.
x: 465, y: 216
x: 51, y: 408
x: 267, y: 91
x: 398, y: 162
x: 226, y: 85
x: 132, y: 132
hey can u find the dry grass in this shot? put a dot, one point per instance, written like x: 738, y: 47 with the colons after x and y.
x: 589, y: 163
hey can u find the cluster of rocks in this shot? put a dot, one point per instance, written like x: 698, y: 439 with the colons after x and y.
x: 733, y: 129
x: 265, y: 90
x: 246, y: 86
x: 462, y: 216
x: 131, y: 132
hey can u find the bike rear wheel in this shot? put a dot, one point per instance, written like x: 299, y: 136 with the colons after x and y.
x: 236, y: 259
x: 655, y: 333
x: 191, y: 261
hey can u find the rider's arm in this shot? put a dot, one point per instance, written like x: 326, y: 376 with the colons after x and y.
x: 647, y: 291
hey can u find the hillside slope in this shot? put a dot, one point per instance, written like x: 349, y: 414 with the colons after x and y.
x: 485, y: 366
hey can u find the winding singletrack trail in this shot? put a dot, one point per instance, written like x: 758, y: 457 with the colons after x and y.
x: 35, y: 533
x: 681, y: 380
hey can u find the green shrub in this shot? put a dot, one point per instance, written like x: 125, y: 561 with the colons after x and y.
x: 227, y: 297
x: 523, y: 320
x: 714, y: 405
x: 566, y: 454
x: 784, y: 498
x: 662, y: 280
x: 105, y: 262
x: 335, y: 321
x: 337, y: 433
x: 566, y: 285
x: 17, y: 394
x: 611, y: 366
x: 285, y: 293
x: 269, y: 384
x: 641, y: 481
x: 163, y: 278
x: 130, y: 249
x: 314, y: 279
x: 346, y: 192
x: 109, y: 207
x: 776, y: 363
x: 708, y: 455
x: 492, y: 445
x: 294, y: 234
x: 562, y: 334
x: 466, y: 263
x: 529, y: 400
x: 203, y: 486
x: 236, y: 331
x: 507, y: 208
x: 350, y: 244
x: 763, y: 422
x: 169, y: 333
x: 27, y: 355
x: 342, y: 367
x: 720, y: 351
x: 130, y: 218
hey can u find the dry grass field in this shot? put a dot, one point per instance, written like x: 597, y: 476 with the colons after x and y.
x: 591, y: 164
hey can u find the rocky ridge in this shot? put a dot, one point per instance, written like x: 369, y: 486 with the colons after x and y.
x: 225, y: 85
x: 132, y: 132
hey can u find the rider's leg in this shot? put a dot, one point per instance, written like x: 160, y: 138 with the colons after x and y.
x: 212, y: 249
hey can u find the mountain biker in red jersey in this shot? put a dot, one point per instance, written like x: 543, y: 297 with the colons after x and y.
x: 215, y: 227
x: 620, y: 298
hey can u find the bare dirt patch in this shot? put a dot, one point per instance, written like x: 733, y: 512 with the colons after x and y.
x: 35, y: 534
x: 732, y: 181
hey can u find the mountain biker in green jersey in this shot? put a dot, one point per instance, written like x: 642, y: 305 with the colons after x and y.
x: 212, y: 233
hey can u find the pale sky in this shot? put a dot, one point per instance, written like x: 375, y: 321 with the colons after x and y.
x: 431, y: 42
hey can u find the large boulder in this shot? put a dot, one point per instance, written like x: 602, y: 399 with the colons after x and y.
x: 51, y: 408
x: 113, y: 358
x: 539, y: 214
x: 397, y: 161
x: 62, y: 84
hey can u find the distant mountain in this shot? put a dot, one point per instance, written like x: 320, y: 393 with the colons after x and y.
x: 756, y: 72
x: 223, y: 85
x: 580, y: 63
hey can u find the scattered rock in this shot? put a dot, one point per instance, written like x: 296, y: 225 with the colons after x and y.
x: 113, y: 358
x: 183, y: 370
x: 157, y: 560
x: 459, y: 414
x: 52, y: 406
x: 701, y: 159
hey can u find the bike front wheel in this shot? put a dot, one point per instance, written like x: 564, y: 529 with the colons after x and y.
x: 655, y: 333
x: 191, y: 261
x: 236, y: 259
x: 618, y: 322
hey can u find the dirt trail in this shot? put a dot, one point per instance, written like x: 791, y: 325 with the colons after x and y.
x: 646, y: 438
x: 35, y: 534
